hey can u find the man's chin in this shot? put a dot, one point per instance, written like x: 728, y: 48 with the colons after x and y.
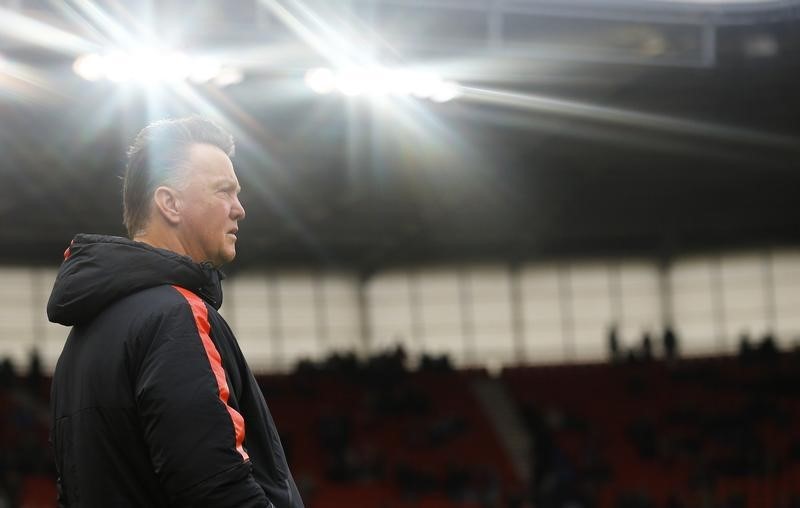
x: 223, y: 258
x: 228, y: 256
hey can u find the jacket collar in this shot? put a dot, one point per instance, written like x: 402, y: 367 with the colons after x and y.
x: 98, y: 270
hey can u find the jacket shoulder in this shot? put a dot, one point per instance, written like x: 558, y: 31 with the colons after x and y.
x: 158, y: 310
x: 154, y: 300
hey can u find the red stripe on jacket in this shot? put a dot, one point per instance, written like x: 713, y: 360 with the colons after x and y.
x: 203, y: 327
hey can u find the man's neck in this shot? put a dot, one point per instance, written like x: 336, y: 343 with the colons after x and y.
x: 167, y: 242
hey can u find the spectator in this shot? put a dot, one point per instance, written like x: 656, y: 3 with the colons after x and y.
x: 613, y: 345
x: 670, y: 340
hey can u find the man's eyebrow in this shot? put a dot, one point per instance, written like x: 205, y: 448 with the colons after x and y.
x: 229, y: 185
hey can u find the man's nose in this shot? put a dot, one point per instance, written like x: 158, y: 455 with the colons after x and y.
x: 238, y: 210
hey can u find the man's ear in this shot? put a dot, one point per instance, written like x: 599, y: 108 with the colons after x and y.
x: 168, y: 204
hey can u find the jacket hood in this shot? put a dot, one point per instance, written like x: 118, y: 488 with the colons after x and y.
x: 99, y: 270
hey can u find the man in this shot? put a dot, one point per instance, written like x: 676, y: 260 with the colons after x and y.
x: 153, y: 403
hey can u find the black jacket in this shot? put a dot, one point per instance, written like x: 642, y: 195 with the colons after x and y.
x: 152, y: 402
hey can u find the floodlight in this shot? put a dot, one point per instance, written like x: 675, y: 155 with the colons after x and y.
x: 173, y: 66
x: 152, y: 65
x: 321, y: 80
x: 379, y: 81
x: 350, y: 82
x: 402, y: 82
x: 204, y: 70
x: 117, y: 67
x: 228, y: 76
x: 446, y: 91
x: 90, y: 67
x: 146, y: 65
x: 425, y: 85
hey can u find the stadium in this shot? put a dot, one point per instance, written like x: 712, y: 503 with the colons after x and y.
x: 498, y: 253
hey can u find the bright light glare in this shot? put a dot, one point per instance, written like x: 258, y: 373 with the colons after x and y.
x: 228, y: 76
x: 172, y: 66
x: 447, y: 91
x: 424, y: 86
x: 321, y: 80
x: 379, y: 82
x: 204, y: 70
x: 351, y: 82
x: 403, y: 82
x: 151, y: 65
x: 89, y: 67
x: 116, y: 67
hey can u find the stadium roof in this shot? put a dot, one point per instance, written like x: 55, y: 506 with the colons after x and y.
x: 581, y: 127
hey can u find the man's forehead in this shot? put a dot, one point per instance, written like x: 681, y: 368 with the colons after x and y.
x: 210, y: 161
x: 205, y: 153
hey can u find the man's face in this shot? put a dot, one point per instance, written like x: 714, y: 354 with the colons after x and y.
x: 210, y: 207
